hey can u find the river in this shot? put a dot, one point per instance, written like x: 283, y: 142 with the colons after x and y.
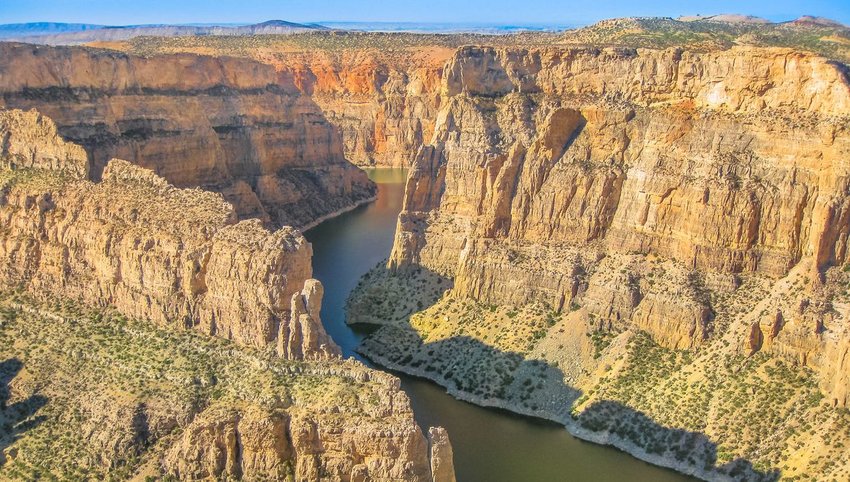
x: 489, y: 445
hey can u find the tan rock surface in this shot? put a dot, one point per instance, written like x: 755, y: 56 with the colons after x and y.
x: 230, y: 125
x: 555, y: 148
x: 620, y: 228
x: 385, y: 103
x: 114, y: 285
x: 31, y: 141
x: 174, y: 256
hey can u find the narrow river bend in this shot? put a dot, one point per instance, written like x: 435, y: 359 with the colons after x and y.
x: 489, y: 445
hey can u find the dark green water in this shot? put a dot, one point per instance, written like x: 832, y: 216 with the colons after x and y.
x: 489, y: 445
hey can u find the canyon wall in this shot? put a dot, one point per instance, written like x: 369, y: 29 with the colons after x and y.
x: 733, y: 161
x: 729, y: 161
x: 230, y: 125
x: 574, y: 199
x: 133, y: 241
x: 93, y: 267
x: 385, y: 103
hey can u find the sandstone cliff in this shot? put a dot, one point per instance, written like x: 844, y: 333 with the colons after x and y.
x: 230, y: 125
x: 695, y: 162
x: 385, y: 103
x: 133, y: 241
x: 91, y: 394
x: 107, y: 300
x: 598, y: 194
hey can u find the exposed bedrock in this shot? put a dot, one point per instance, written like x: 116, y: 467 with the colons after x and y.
x: 385, y: 103
x: 88, y: 266
x: 545, y: 160
x: 178, y: 257
x: 606, y: 237
x: 235, y: 126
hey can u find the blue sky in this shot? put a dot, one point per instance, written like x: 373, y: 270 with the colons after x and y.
x: 122, y: 12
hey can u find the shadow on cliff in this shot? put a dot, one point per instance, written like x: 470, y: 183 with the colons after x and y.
x: 15, y: 418
x: 477, y: 372
x: 394, y: 295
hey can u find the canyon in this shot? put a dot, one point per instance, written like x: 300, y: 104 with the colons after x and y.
x: 113, y: 294
x: 228, y: 125
x: 637, y: 230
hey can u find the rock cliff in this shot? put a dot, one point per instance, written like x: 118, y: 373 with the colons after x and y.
x: 94, y: 395
x: 111, y: 300
x: 230, y: 125
x: 561, y: 149
x: 133, y: 241
x: 599, y: 194
x: 385, y: 103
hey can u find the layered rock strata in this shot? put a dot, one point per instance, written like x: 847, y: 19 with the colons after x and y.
x: 538, y: 153
x: 597, y: 195
x: 385, y: 103
x: 177, y: 257
x: 234, y: 126
x: 113, y: 292
x: 92, y: 394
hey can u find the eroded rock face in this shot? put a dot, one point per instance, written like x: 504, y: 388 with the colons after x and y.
x: 655, y: 239
x: 230, y: 125
x: 30, y: 140
x: 134, y: 246
x: 731, y: 161
x: 385, y: 103
x: 442, y: 463
x: 248, y: 442
x: 174, y: 256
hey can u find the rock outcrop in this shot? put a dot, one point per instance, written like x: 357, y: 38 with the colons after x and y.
x: 730, y: 161
x: 442, y: 462
x: 129, y: 401
x: 385, y: 103
x: 250, y: 443
x: 600, y: 214
x: 230, y: 125
x: 30, y: 141
x: 175, y: 256
x: 106, y: 293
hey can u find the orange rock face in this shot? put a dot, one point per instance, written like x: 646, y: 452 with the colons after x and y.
x: 231, y: 125
x: 384, y: 103
x: 545, y: 162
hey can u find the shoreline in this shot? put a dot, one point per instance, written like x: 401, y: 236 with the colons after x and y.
x: 336, y: 213
x: 600, y: 438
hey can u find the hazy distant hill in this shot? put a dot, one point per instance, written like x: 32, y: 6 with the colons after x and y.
x: 447, y: 27
x: 18, y: 30
x: 75, y: 33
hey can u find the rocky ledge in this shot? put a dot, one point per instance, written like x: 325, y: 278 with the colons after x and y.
x: 234, y: 126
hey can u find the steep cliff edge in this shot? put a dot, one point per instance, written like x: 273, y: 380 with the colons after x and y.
x: 607, y: 237
x: 133, y: 241
x: 381, y: 90
x: 385, y: 103
x: 230, y: 125
x: 108, y: 298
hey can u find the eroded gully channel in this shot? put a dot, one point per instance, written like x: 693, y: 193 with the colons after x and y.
x: 489, y: 445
